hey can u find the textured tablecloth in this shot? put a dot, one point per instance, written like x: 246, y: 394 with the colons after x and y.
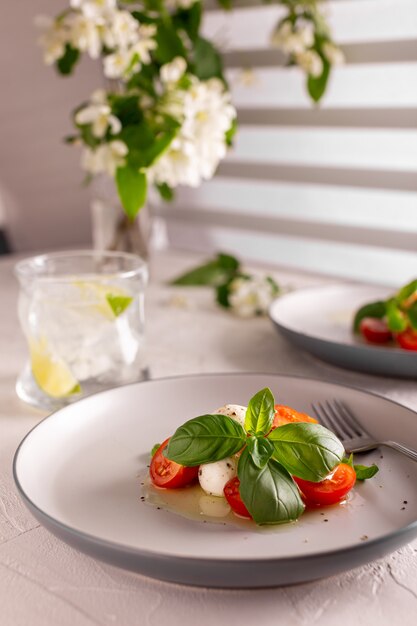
x: 43, y: 582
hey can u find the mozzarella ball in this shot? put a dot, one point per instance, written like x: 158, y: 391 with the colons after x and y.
x: 235, y: 411
x: 214, y: 476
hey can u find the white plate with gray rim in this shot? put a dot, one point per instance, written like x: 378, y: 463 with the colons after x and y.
x: 77, y: 472
x: 319, y: 320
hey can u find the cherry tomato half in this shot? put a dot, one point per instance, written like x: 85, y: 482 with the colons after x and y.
x: 232, y: 495
x: 375, y: 330
x: 287, y: 415
x: 407, y: 339
x: 168, y: 474
x: 330, y: 490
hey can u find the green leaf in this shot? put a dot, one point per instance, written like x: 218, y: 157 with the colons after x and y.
x: 373, y: 309
x: 222, y: 294
x: 169, y: 43
x: 126, y: 108
x: 66, y: 63
x: 406, y: 291
x: 364, y: 472
x: 231, y: 133
x: 213, y: 273
x: 396, y: 319
x: 206, y: 439
x: 207, y: 61
x: 308, y: 451
x: 274, y: 285
x: 118, y: 304
x: 260, y: 413
x: 260, y: 450
x: 412, y: 315
x: 159, y: 146
x: 155, y: 448
x: 132, y: 189
x: 189, y: 20
x: 165, y: 191
x: 316, y: 86
x: 225, y: 4
x: 269, y: 493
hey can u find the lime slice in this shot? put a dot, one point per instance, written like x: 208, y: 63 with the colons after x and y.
x: 109, y: 301
x: 51, y: 374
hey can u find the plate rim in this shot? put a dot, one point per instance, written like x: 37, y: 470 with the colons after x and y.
x: 117, y: 548
x: 368, y: 348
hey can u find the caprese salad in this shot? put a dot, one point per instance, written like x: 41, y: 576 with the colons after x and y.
x: 267, y: 460
x: 390, y: 321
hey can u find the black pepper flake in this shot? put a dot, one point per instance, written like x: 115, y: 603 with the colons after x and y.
x: 364, y: 537
x: 382, y: 456
x: 403, y: 508
x: 325, y: 520
x: 159, y: 508
x: 321, y: 513
x: 142, y: 498
x: 405, y: 501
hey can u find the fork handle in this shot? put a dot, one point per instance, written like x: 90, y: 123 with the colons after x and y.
x: 412, y: 454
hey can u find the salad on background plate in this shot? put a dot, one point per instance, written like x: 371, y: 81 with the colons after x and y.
x: 268, y: 461
x: 391, y: 321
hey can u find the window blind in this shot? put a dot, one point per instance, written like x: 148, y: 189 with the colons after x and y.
x: 329, y: 189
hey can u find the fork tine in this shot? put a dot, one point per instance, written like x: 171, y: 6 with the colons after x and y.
x: 350, y: 419
x: 328, y: 420
x: 336, y: 417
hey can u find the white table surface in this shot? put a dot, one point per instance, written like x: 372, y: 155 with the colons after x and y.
x: 44, y: 582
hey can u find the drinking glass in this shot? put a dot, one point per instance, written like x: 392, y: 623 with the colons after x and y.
x: 82, y: 313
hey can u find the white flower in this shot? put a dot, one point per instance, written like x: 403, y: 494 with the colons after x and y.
x: 289, y: 40
x: 251, y: 296
x: 146, y: 42
x: 53, y: 39
x: 125, y: 61
x: 333, y: 53
x: 206, y: 114
x: 311, y: 62
x: 173, y: 71
x: 99, y: 115
x: 105, y: 158
x: 94, y: 8
x: 85, y: 34
x: 121, y: 30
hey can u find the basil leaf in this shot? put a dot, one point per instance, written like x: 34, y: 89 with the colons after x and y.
x: 269, y: 494
x: 396, y: 319
x: 206, y: 439
x: 412, y: 315
x: 308, y: 451
x: 316, y: 85
x: 155, y: 448
x: 373, y: 309
x: 363, y: 472
x: 260, y: 450
x: 260, y: 413
x: 406, y: 291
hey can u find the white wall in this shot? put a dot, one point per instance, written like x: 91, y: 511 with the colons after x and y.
x: 40, y: 176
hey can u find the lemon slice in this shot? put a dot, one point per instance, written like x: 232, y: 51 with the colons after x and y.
x: 50, y: 372
x: 109, y: 301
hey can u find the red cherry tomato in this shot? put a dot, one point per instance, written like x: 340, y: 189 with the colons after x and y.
x: 287, y: 415
x: 232, y: 495
x: 168, y: 474
x: 330, y: 490
x: 375, y: 330
x: 407, y: 339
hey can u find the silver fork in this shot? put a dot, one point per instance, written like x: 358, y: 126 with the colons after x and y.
x: 336, y: 416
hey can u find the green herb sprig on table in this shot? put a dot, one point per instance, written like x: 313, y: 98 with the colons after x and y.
x: 244, y: 293
x: 268, y: 459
